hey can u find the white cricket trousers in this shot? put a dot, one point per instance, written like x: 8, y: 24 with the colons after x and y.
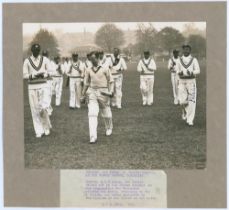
x: 117, y: 98
x: 38, y: 100
x: 187, y: 93
x: 57, y: 89
x: 97, y: 102
x: 49, y: 89
x: 174, y: 80
x: 75, y: 92
x: 146, y: 87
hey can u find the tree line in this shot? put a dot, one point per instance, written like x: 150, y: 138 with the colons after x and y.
x: 161, y: 42
x: 109, y: 36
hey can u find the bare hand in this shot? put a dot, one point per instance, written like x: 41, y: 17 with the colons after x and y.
x: 83, y: 99
x: 39, y: 75
x: 181, y: 73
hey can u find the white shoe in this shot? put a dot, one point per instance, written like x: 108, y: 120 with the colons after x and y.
x: 190, y: 123
x: 108, y: 132
x: 175, y: 101
x: 92, y: 140
x: 144, y: 103
x: 183, y: 116
x: 38, y: 135
x: 47, y: 132
x: 49, y: 112
x: 119, y: 107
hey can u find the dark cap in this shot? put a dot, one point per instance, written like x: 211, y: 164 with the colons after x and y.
x: 95, y: 54
x: 35, y: 46
x: 186, y: 46
x: 146, y: 52
x: 57, y: 57
x: 116, y: 49
x: 74, y: 54
x: 45, y: 53
x: 175, y: 51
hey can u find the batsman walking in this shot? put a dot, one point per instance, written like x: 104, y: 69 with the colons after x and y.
x: 99, y: 87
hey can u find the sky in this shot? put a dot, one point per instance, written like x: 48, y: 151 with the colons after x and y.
x: 31, y: 28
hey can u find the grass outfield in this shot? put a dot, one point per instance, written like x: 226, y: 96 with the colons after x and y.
x: 143, y: 137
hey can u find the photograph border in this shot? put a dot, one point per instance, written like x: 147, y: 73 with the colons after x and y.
x: 186, y: 188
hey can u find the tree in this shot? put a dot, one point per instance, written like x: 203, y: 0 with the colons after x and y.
x: 145, y: 38
x: 198, y: 44
x: 109, y: 36
x: 47, y: 41
x: 169, y: 38
x: 191, y: 29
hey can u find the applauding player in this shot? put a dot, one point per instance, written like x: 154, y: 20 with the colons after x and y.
x: 75, y: 72
x: 35, y: 69
x: 58, y: 71
x: 146, y: 67
x: 118, y: 66
x: 187, y: 68
x: 172, y: 66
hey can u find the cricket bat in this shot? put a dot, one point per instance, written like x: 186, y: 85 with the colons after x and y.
x: 106, y: 93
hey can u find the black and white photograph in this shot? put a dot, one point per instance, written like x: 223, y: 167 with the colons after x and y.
x: 114, y: 95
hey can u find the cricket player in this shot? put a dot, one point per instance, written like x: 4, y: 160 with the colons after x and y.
x: 67, y: 64
x: 104, y: 61
x: 35, y: 69
x: 99, y: 87
x: 147, y: 67
x: 118, y: 66
x: 172, y: 66
x: 187, y: 68
x: 87, y: 64
x: 58, y: 72
x: 45, y: 53
x: 75, y: 74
